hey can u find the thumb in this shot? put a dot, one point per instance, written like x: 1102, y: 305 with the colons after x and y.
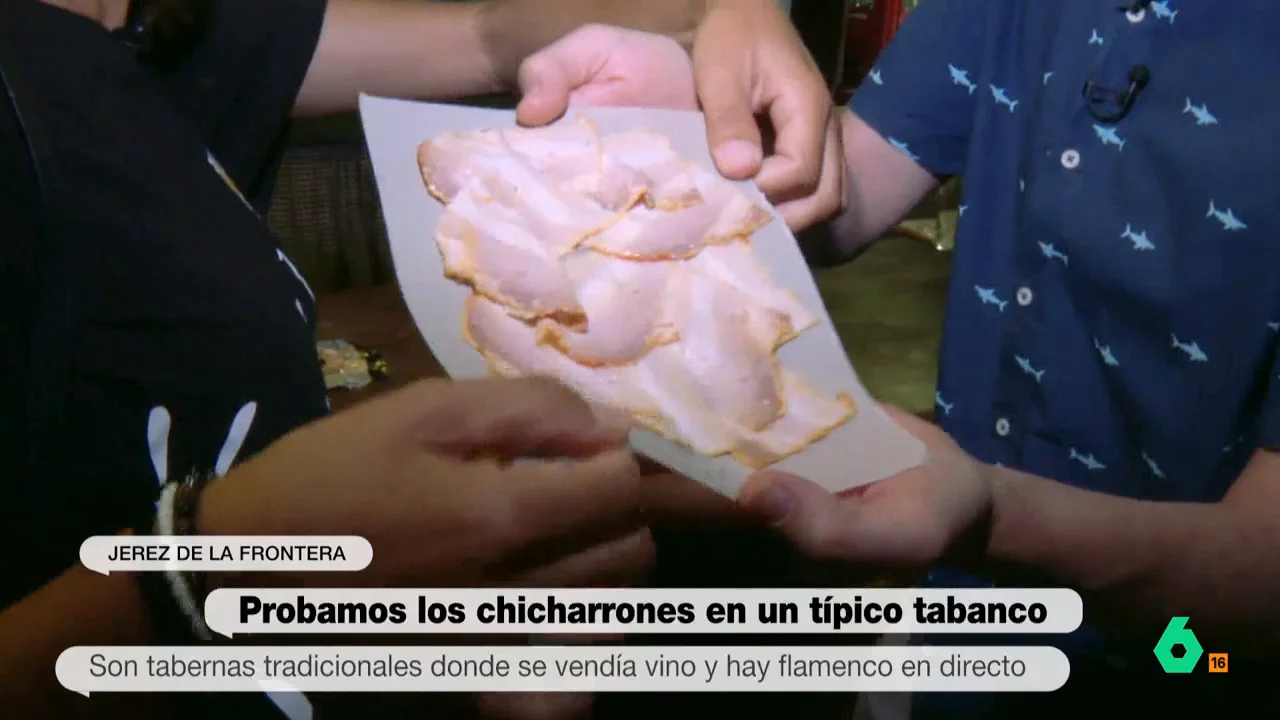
x: 817, y: 522
x: 547, y: 77
x: 724, y: 91
x: 508, y: 419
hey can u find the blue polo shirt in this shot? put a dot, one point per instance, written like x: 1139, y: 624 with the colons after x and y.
x: 1115, y: 294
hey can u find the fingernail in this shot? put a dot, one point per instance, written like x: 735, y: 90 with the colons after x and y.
x: 738, y: 155
x: 773, y: 504
x: 610, y: 417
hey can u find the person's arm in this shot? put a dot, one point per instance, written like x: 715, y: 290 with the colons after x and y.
x: 908, y: 124
x: 1144, y: 562
x: 882, y: 185
x: 79, y: 607
x: 446, y: 50
x: 1140, y: 563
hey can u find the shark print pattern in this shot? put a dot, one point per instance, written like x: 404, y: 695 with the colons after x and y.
x: 1088, y: 460
x: 1002, y: 98
x: 1162, y: 11
x: 1228, y: 218
x: 1052, y: 253
x: 1192, y: 350
x: 988, y: 297
x: 1152, y: 466
x: 1029, y: 369
x: 903, y: 148
x: 1201, y: 113
x: 942, y: 404
x: 1112, y: 312
x: 875, y: 77
x: 961, y: 77
x: 1108, y: 358
x: 1139, y: 239
x: 1108, y: 136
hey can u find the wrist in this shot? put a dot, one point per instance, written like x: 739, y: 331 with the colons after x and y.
x: 971, y: 550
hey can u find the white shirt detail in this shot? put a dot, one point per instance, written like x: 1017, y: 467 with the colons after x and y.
x: 285, y: 259
x: 158, y: 425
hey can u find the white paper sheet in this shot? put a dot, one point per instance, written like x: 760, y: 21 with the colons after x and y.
x: 865, y: 449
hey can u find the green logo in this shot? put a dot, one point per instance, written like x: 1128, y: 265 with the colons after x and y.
x: 1177, y: 634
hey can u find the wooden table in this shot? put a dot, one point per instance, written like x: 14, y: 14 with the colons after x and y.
x: 377, y: 319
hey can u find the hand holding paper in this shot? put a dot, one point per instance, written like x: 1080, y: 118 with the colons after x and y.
x: 747, y: 61
x: 911, y: 520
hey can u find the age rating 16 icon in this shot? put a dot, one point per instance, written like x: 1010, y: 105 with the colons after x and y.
x: 1178, y: 635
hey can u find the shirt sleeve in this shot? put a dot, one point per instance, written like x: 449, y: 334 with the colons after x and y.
x: 239, y: 85
x: 923, y: 91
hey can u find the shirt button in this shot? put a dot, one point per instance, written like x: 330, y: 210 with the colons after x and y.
x: 1002, y: 427
x: 1024, y: 296
x: 1070, y: 159
x: 1135, y: 16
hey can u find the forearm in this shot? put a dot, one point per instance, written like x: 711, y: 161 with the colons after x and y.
x: 396, y: 48
x: 1139, y: 563
x: 882, y: 186
x: 80, y: 607
x: 448, y: 50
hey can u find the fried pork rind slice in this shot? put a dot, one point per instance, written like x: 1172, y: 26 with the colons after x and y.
x: 568, y: 156
x: 809, y: 417
x: 724, y: 214
x: 736, y: 264
x: 722, y: 377
x: 510, y: 348
x: 488, y: 248
x: 630, y: 309
x: 645, y: 166
x: 546, y: 176
x: 449, y: 161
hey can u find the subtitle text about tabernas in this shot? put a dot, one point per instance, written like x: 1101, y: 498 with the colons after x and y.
x: 486, y: 611
x: 570, y: 668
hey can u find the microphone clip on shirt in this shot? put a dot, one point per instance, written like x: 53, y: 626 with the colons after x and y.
x: 1109, y: 105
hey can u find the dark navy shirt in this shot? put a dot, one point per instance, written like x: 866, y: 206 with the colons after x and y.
x: 1115, y: 295
x: 156, y: 327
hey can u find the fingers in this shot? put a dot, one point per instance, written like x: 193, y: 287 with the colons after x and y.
x: 820, y: 524
x: 800, y: 113
x: 671, y: 500
x: 533, y: 417
x: 829, y: 198
x: 724, y: 86
x: 547, y: 77
x: 557, y: 509
x: 896, y: 523
x: 625, y: 562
